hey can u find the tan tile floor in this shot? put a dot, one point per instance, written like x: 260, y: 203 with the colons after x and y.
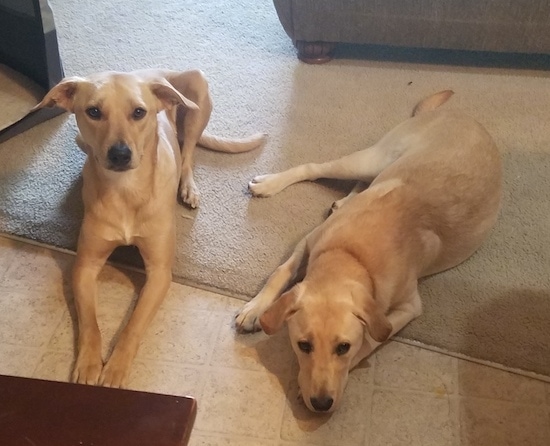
x: 246, y: 385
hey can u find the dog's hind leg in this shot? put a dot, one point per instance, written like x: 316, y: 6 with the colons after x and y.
x: 363, y: 166
x: 190, y: 124
x: 192, y: 130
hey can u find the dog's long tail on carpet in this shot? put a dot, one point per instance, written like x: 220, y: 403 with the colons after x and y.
x: 232, y: 145
x: 432, y: 102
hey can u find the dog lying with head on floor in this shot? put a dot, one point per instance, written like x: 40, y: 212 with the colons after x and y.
x: 434, y: 194
x: 139, y: 131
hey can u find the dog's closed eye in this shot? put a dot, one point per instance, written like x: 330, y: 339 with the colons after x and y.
x: 305, y: 346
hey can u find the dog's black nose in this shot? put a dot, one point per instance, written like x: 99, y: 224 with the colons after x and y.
x: 119, y: 155
x: 322, y: 404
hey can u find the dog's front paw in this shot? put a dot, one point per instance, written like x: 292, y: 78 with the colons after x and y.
x: 266, y: 185
x: 115, y: 373
x: 247, y: 319
x: 87, y: 369
x: 189, y: 193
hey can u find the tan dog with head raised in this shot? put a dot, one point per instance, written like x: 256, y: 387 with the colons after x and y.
x: 435, y: 195
x: 139, y: 131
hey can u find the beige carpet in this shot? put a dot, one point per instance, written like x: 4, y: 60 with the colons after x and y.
x: 495, y: 307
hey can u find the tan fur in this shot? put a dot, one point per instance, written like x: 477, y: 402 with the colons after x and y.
x: 132, y: 202
x: 434, y: 195
x: 432, y: 102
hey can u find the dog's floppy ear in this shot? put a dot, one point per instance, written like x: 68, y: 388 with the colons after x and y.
x: 62, y: 94
x: 273, y: 318
x: 368, y: 311
x: 169, y: 97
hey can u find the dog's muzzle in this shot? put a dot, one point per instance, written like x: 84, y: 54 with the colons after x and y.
x: 119, y: 157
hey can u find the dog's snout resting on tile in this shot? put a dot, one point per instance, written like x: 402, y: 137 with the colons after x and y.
x: 434, y: 194
x: 139, y: 131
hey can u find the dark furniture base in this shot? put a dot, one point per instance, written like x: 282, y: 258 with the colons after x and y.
x: 314, y: 52
x: 47, y: 413
x: 28, y: 44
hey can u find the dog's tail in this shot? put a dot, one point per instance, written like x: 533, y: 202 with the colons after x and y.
x: 432, y: 102
x: 232, y: 145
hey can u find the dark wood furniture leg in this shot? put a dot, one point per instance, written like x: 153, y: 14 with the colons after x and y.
x: 28, y: 44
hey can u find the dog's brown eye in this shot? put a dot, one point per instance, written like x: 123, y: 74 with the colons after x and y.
x: 342, y: 348
x: 94, y: 113
x: 305, y: 346
x: 139, y: 113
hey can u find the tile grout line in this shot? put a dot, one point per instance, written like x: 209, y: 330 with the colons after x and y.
x: 6, y: 269
x: 207, y: 368
x: 463, y: 357
x: 428, y: 393
x: 67, y: 312
x: 43, y: 352
x: 39, y: 353
x: 367, y: 437
x: 504, y: 401
x: 284, y: 397
x: 215, y: 337
x: 456, y: 394
x: 224, y: 435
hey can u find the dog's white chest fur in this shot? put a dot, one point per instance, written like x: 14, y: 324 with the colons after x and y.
x: 127, y: 233
x: 121, y: 229
x: 122, y: 209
